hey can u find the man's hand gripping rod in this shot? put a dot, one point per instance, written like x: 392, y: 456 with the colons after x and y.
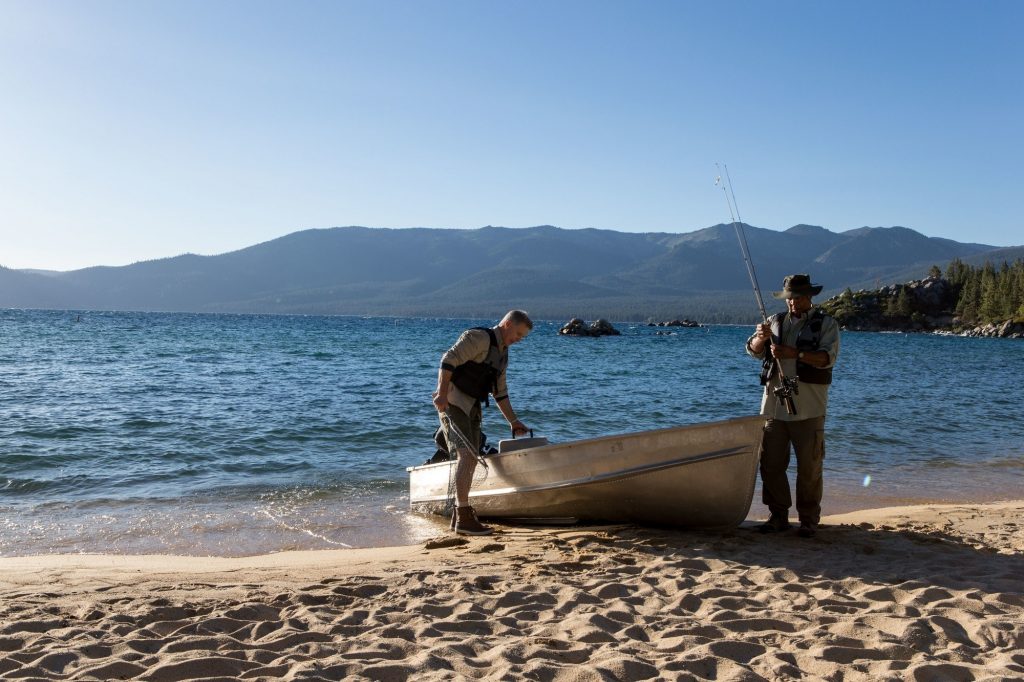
x: 787, y: 385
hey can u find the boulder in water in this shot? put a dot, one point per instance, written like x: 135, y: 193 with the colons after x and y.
x: 577, y: 327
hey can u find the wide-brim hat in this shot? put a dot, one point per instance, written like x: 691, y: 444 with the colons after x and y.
x: 797, y: 285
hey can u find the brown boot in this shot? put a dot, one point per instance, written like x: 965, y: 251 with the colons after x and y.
x: 776, y: 523
x: 466, y: 523
x: 807, y: 529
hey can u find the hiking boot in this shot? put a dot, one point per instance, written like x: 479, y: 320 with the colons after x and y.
x: 776, y: 523
x: 807, y: 530
x: 466, y: 523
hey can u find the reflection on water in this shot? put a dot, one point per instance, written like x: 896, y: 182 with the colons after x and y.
x: 207, y: 526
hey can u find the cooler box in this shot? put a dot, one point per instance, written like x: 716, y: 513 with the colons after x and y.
x: 512, y: 444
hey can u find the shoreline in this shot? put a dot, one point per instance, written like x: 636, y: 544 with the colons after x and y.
x: 989, y: 331
x: 308, y: 558
x: 922, y: 591
x: 251, y: 532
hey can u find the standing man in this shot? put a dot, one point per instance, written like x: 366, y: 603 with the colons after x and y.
x: 805, y: 341
x: 471, y: 371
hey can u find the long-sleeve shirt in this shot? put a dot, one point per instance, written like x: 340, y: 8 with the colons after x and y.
x: 812, y: 399
x: 473, y: 346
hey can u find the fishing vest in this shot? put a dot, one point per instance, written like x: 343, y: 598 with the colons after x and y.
x: 479, y: 379
x: 809, y: 339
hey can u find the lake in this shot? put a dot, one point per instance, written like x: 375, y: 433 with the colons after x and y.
x: 243, y: 434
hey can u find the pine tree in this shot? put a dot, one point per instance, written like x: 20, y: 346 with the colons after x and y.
x: 967, y: 306
x: 1018, y: 289
x: 903, y: 304
x: 989, y: 305
x: 899, y: 306
x: 1005, y: 288
x: 1013, y: 289
x: 891, y: 309
x: 955, y: 272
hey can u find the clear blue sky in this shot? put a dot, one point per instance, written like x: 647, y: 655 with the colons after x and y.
x: 135, y: 130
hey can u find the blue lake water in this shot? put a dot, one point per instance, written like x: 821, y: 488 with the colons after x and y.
x: 242, y: 434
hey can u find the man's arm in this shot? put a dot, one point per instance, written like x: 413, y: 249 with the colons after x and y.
x: 761, y: 338
x: 814, y: 358
x: 444, y: 382
x: 822, y: 358
x: 503, y: 403
x: 518, y: 427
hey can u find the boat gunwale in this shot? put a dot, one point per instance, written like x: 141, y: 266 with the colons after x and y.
x: 587, y: 441
x: 610, y: 477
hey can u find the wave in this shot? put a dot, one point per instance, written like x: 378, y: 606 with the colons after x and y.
x: 153, y: 410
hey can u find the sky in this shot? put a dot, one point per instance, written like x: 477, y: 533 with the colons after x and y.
x: 137, y: 130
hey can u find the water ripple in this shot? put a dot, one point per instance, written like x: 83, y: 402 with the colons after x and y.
x: 135, y: 411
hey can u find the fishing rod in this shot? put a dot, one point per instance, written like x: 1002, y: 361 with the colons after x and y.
x: 787, y: 385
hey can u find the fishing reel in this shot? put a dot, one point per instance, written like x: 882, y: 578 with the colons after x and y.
x: 787, y: 388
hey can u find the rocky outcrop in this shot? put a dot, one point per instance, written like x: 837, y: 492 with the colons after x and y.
x: 921, y: 305
x: 925, y: 305
x: 577, y: 327
x: 685, y: 322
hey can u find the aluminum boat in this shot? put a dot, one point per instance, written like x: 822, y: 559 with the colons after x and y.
x: 699, y: 475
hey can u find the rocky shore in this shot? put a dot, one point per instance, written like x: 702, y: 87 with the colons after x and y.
x: 1006, y: 330
x: 926, y: 305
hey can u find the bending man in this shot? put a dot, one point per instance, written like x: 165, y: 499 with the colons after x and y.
x: 471, y: 371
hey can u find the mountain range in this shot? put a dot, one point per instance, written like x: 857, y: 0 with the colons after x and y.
x: 552, y: 272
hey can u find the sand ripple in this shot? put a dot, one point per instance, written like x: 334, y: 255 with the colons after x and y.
x: 931, y: 593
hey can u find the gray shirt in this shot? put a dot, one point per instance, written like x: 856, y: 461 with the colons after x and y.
x: 812, y: 399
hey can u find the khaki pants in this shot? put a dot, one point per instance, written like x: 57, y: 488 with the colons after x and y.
x: 468, y: 424
x: 807, y: 436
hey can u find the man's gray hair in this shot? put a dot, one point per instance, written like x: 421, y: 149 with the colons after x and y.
x: 518, y: 317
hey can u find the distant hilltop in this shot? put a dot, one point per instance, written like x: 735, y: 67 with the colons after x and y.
x: 553, y: 273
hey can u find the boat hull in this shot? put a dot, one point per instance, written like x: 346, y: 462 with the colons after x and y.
x: 700, y: 475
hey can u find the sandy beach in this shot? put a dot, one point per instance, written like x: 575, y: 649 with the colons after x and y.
x: 923, y: 593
